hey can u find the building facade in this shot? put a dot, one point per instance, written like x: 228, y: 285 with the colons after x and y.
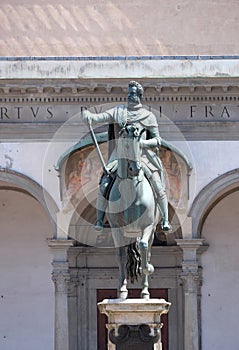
x: 54, y: 268
x: 58, y: 58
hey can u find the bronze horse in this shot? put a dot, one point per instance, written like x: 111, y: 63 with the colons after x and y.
x: 132, y: 212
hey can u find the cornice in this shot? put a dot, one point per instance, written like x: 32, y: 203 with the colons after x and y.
x: 105, y: 92
x: 119, y: 67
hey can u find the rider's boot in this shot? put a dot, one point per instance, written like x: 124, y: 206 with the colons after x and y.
x: 101, y: 205
x: 102, y: 201
x: 162, y: 203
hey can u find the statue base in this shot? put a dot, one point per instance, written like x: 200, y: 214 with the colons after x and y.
x: 134, y: 323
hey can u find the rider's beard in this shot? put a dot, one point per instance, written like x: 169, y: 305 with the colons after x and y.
x: 133, y: 101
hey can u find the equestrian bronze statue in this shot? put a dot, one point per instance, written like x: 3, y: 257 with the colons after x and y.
x: 132, y: 189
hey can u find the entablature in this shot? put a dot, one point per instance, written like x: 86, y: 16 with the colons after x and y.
x: 200, y: 108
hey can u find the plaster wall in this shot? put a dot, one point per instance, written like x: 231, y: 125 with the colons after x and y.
x: 210, y: 159
x: 86, y: 28
x: 221, y: 276
x: 26, y: 290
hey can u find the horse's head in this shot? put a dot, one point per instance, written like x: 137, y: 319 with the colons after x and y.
x: 129, y: 151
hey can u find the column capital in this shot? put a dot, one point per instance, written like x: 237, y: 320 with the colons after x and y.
x: 191, y: 281
x: 190, y: 247
x: 190, y: 243
x: 60, y: 243
x: 61, y: 280
x: 60, y: 248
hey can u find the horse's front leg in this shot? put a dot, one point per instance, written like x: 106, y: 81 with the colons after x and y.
x: 121, y: 259
x: 145, y: 246
x: 147, y: 268
x: 145, y: 287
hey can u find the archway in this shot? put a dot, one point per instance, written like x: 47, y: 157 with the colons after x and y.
x: 210, y: 196
x: 220, y: 273
x: 27, y: 296
x: 215, y: 219
x: 80, y: 170
x: 24, y: 183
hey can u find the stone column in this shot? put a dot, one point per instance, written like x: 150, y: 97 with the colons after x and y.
x: 61, y: 278
x: 190, y: 277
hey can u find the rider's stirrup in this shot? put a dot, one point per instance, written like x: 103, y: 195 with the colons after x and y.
x: 165, y: 225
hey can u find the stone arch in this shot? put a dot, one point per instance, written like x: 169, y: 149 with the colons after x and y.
x: 209, y: 196
x: 24, y: 183
x: 70, y: 205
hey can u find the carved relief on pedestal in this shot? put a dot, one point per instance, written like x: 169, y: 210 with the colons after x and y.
x: 140, y: 336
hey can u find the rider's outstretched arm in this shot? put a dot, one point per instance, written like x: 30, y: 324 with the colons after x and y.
x: 94, y: 118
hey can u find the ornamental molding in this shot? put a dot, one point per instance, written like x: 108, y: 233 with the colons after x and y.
x: 110, y: 273
x: 202, y: 109
x: 61, y: 280
x: 105, y: 92
x: 191, y: 282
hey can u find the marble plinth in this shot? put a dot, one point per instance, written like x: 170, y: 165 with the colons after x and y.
x: 134, y: 322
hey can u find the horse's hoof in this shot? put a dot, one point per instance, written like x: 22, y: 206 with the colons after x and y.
x: 123, y: 294
x: 165, y: 225
x: 145, y: 295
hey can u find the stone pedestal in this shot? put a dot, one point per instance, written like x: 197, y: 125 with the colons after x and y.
x: 134, y: 323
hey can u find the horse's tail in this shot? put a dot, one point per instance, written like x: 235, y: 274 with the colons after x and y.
x: 133, y: 264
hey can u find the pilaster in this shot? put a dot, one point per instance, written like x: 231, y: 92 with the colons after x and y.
x: 61, y: 278
x: 190, y: 277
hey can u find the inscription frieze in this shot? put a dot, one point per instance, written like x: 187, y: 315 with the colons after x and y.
x: 48, y: 113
